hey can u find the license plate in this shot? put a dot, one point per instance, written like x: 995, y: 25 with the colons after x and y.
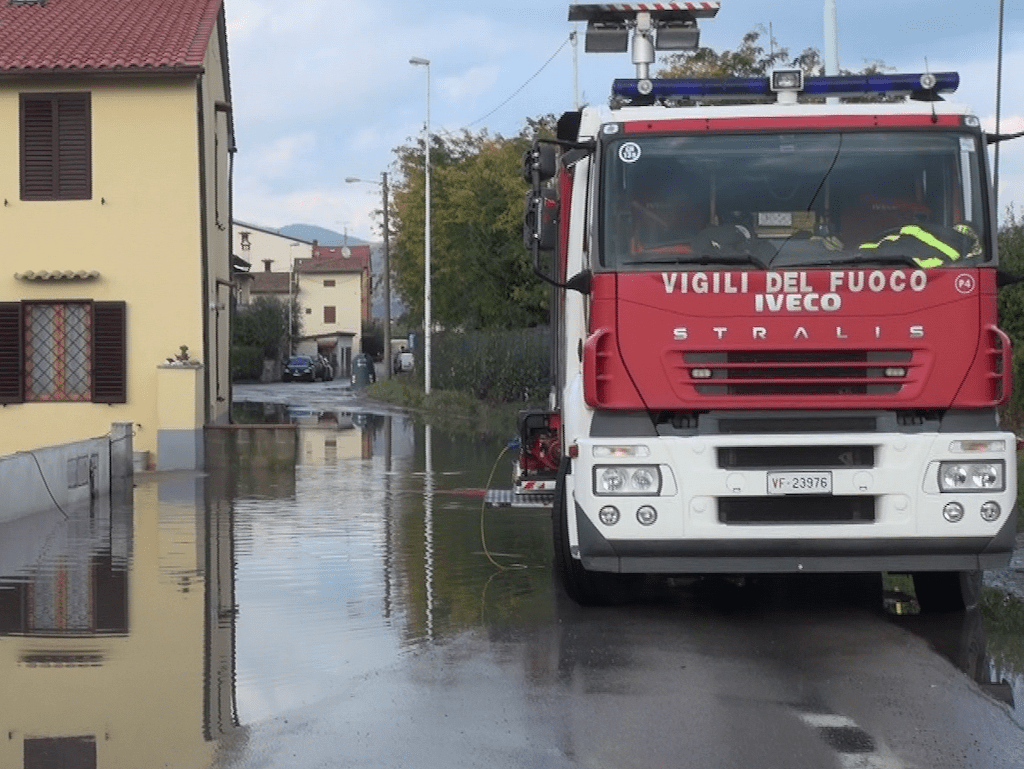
x: 798, y: 482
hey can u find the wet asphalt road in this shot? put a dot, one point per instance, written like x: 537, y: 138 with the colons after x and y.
x: 358, y: 607
x: 494, y: 667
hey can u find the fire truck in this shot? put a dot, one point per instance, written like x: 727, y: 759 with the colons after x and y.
x: 776, y: 338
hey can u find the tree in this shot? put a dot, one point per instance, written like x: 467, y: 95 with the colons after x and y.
x: 1011, y: 310
x: 752, y: 60
x: 481, y: 273
x: 749, y: 60
x: 263, y: 325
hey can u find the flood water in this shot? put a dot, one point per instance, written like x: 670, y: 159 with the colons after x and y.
x: 358, y: 606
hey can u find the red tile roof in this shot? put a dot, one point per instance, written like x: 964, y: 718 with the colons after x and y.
x: 333, y: 259
x: 269, y: 283
x: 83, y: 36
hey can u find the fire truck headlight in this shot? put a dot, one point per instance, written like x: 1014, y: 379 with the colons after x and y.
x: 609, y: 515
x: 953, y: 511
x: 990, y: 511
x: 971, y: 476
x: 647, y: 515
x: 627, y: 480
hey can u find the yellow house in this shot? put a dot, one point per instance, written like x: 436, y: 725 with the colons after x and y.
x: 117, y: 134
x: 334, y: 292
x: 330, y: 284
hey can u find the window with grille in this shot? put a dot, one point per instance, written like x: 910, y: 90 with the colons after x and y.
x: 63, y: 351
x: 56, y: 146
x: 57, y: 352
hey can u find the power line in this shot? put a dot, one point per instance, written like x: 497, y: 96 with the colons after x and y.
x: 528, y: 81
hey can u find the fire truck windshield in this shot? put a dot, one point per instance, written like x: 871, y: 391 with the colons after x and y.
x: 800, y: 199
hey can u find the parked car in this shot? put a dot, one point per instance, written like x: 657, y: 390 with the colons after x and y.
x: 404, y: 361
x: 308, y: 367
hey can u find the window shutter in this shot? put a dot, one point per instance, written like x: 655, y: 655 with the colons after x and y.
x: 38, y: 159
x: 109, y: 353
x: 11, y: 353
x: 56, y: 146
x: 74, y: 149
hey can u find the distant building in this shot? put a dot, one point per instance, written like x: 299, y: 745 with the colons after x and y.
x: 117, y: 121
x: 330, y: 283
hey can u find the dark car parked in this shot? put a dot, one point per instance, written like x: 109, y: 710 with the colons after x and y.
x: 308, y: 367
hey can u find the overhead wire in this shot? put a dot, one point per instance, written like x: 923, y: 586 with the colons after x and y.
x: 528, y: 81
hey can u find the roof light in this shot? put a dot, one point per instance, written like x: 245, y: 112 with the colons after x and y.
x: 787, y: 80
x: 913, y: 85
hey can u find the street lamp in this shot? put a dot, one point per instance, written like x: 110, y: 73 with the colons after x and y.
x: 387, y: 271
x: 291, y: 306
x: 418, y: 62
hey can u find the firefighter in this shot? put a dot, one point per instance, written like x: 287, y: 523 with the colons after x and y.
x: 669, y: 209
x: 929, y: 245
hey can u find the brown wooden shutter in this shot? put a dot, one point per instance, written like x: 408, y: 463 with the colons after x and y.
x: 74, y: 148
x: 38, y: 158
x: 12, y: 388
x: 109, y: 353
x: 56, y: 147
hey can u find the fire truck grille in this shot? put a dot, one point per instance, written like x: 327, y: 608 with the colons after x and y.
x: 811, y: 457
x: 800, y: 372
x: 796, y: 510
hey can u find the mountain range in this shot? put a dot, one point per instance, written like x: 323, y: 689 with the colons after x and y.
x: 322, y: 235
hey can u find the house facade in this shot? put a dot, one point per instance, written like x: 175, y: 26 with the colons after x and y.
x: 331, y: 285
x: 116, y: 121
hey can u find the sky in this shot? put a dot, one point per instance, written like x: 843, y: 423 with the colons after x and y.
x: 323, y: 90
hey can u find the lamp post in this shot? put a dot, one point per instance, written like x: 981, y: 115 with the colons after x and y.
x: 418, y: 62
x: 291, y: 305
x: 387, y: 270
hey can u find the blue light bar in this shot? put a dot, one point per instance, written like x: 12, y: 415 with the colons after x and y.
x: 750, y: 87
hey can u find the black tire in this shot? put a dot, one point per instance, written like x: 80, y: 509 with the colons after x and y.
x: 947, y: 591
x: 586, y: 588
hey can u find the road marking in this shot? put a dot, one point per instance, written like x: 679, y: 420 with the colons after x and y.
x: 855, y: 747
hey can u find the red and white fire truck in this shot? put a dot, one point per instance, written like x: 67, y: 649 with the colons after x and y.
x: 777, y: 348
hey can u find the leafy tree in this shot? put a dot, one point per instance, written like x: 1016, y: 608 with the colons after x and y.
x: 751, y: 59
x: 264, y: 325
x: 481, y: 273
x: 1011, y: 310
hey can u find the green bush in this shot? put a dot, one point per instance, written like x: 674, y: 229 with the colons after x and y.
x: 246, y: 363
x: 497, y: 366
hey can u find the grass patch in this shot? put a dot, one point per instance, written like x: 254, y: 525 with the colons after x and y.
x: 1004, y: 624
x: 454, y: 412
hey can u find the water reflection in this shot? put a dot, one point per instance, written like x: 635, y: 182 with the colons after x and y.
x: 158, y: 633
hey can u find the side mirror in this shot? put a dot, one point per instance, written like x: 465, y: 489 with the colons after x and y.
x: 539, y: 163
x: 540, y: 226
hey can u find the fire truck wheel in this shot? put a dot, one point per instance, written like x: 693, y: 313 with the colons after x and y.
x: 947, y: 591
x: 586, y: 588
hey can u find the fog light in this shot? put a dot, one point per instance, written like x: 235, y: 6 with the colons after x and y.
x: 609, y: 515
x: 990, y: 511
x: 953, y: 511
x: 895, y: 372
x: 647, y: 515
x: 700, y: 373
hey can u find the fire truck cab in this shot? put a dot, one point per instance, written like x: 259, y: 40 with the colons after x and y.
x: 777, y: 347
